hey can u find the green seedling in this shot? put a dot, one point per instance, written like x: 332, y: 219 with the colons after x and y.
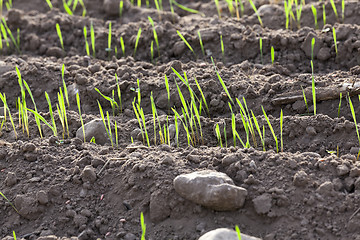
x: 67, y: 8
x: 143, y: 226
x: 108, y: 125
x: 339, y: 105
x: 18, y: 36
x: 247, y: 122
x: 122, y: 46
x: 92, y: 38
x: 92, y: 140
x: 58, y: 30
x: 139, y: 3
x: 49, y: 4
x: 187, y: 9
x: 81, y: 119
x: 262, y: 136
x: 158, y: 8
x: 304, y: 96
x: 343, y: 10
x: 1, y: 44
x: 218, y: 8
x: 118, y: 92
x: 186, y: 42
x: 22, y: 105
x: 6, y: 108
x: 14, y: 235
x: 4, y: 34
x: 168, y: 91
x: 261, y: 50
x: 256, y: 12
x: 202, y: 97
x: 141, y: 119
x: 271, y: 129
x: 176, y: 130
x: 83, y: 7
x: 37, y: 120
x: 287, y: 10
x: 218, y: 135
x: 137, y: 41
x: 354, y: 117
x: 112, y: 101
x: 61, y: 108
x: 335, y: 42
x: 272, y: 55
x: 155, y: 35
x: 238, y: 232
x: 313, y: 86
x: 87, y: 48
x: 334, y: 9
x: 11, y: 35
x: 64, y: 85
x: 53, y: 127
x: 121, y: 8
x: 154, y: 113
x: 201, y: 43
x: 222, y: 82
x: 172, y: 10
x: 231, y: 7
x: 324, y: 15
x: 298, y: 13
x: 312, y: 48
x: 314, y: 11
x: 12, y: 205
x: 109, y: 40
x: 222, y: 47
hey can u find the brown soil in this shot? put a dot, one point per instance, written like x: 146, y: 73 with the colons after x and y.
x: 313, y: 184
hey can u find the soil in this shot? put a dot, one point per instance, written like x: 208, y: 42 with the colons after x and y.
x: 310, y: 187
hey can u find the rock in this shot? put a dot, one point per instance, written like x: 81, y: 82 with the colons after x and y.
x: 159, y: 207
x: 324, y: 54
x: 229, y: 159
x: 88, y: 174
x: 306, y: 46
x: 311, y: 130
x: 326, y: 188
x: 225, y: 234
x: 96, y: 129
x: 300, y: 179
x: 111, y: 7
x: 27, y: 206
x: 42, y: 197
x: 49, y: 237
x: 342, y: 170
x: 10, y: 179
x: 56, y: 52
x: 262, y: 203
x: 179, y: 48
x: 211, y: 189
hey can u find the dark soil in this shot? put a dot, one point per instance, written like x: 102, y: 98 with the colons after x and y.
x: 313, y: 182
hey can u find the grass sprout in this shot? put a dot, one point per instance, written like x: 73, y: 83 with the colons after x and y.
x: 354, y: 117
x: 238, y: 232
x: 67, y: 8
x: 61, y: 108
x: 312, y: 48
x: 261, y: 50
x: 186, y: 42
x: 106, y: 125
x: 155, y: 35
x: 190, y: 10
x: 109, y: 40
x: 339, y: 105
x: 281, y: 131
x: 314, y: 11
x: 58, y: 30
x: 143, y: 226
x: 92, y: 38
x: 87, y: 48
x: 137, y: 41
x: 81, y: 119
x: 271, y: 129
x: 218, y: 8
x: 122, y: 46
x: 324, y: 14
x: 218, y: 135
x: 11, y: 35
x: 304, y: 96
x: 272, y: 55
x: 201, y: 43
x: 313, y: 86
x: 49, y: 4
x: 22, y: 105
x: 334, y: 9
x: 222, y: 82
x: 335, y: 42
x: 121, y: 8
x: 53, y: 128
x: 343, y: 10
x: 256, y: 12
x: 12, y: 205
x: 6, y: 107
x: 37, y: 120
x: 222, y: 47
x: 112, y: 101
x: 118, y: 92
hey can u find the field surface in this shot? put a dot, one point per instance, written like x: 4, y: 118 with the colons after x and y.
x: 162, y: 89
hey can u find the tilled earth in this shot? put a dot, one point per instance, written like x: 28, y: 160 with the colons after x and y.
x: 309, y: 190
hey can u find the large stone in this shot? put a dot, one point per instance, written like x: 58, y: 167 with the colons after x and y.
x: 225, y: 234
x: 96, y: 129
x: 211, y: 189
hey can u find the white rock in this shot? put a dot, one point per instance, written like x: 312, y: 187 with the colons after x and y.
x: 211, y: 189
x: 225, y: 234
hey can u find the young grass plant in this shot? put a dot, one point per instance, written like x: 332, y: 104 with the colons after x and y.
x: 17, y: 46
x: 49, y: 4
x: 53, y: 128
x: 6, y: 108
x: 335, y: 42
x: 67, y: 8
x: 314, y: 11
x: 271, y: 129
x: 190, y: 10
x: 272, y: 55
x: 61, y: 108
x: 108, y: 49
x: 137, y: 41
x: 143, y: 226
x: 12, y: 205
x: 343, y: 10
x: 112, y: 101
x: 58, y: 30
x: 222, y: 82
x: 298, y: 13
x: 313, y: 86
x: 218, y: 8
x: 339, y: 105
x: 201, y: 43
x: 305, y: 100
x: 155, y: 35
x: 186, y: 42
x: 218, y: 135
x: 334, y: 9
x: 121, y: 8
x: 22, y: 105
x: 281, y: 131
x: 324, y: 15
x: 37, y: 120
x: 106, y: 125
x: 122, y: 46
x: 81, y: 119
x: 92, y: 38
x: 238, y: 232
x: 222, y: 48
x: 256, y: 12
x: 261, y: 50
x: 354, y: 117
x: 87, y: 48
